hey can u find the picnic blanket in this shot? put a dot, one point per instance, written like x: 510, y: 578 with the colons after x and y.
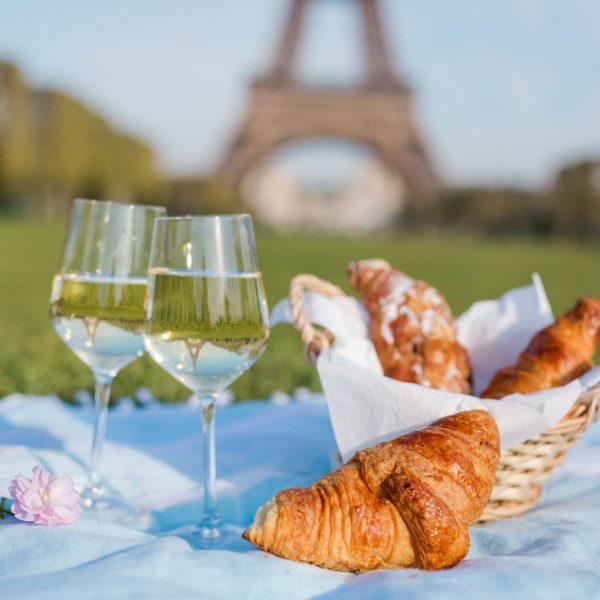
x: 153, y: 457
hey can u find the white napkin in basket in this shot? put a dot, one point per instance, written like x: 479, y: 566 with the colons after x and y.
x: 366, y: 407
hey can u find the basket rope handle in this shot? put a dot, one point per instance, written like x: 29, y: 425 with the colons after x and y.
x: 314, y: 340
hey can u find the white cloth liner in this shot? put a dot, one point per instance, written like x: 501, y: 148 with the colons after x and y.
x: 365, y: 407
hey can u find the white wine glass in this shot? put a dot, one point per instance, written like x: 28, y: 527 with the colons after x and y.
x: 206, y: 324
x: 97, y: 309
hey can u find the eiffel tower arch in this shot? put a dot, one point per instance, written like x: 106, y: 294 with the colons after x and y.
x: 377, y: 112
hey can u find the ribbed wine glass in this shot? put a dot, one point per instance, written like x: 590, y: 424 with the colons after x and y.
x: 207, y: 323
x: 97, y: 309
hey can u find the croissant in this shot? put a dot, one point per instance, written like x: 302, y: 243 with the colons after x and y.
x: 404, y: 503
x: 555, y: 355
x: 411, y: 327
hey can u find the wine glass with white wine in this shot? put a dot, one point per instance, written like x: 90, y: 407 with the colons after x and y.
x: 97, y: 309
x: 207, y: 323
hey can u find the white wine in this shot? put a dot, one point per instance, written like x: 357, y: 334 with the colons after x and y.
x: 205, y: 329
x: 100, y: 318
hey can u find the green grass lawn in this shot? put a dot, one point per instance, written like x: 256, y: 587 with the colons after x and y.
x: 465, y: 269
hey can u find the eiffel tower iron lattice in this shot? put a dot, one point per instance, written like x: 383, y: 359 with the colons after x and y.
x: 376, y: 112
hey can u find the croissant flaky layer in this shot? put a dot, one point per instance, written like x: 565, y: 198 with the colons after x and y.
x: 411, y: 327
x: 404, y: 503
x: 555, y: 355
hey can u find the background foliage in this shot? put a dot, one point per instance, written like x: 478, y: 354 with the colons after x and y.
x: 53, y: 148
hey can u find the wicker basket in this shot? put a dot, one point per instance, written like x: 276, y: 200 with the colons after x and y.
x: 522, y: 468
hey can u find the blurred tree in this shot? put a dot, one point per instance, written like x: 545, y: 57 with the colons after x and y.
x: 61, y: 140
x: 53, y: 148
x: 16, y: 134
x: 575, y: 199
x: 205, y: 195
x: 489, y: 210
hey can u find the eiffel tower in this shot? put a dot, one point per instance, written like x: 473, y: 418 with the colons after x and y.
x: 377, y: 112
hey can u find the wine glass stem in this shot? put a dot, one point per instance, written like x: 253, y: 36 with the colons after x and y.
x: 211, y: 518
x: 101, y: 399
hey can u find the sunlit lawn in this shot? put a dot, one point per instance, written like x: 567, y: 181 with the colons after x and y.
x: 33, y: 360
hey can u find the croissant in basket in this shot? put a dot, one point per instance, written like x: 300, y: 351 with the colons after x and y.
x: 408, y: 502
x: 555, y: 355
x: 411, y: 327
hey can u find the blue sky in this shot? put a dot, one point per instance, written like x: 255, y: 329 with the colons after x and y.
x: 505, y: 91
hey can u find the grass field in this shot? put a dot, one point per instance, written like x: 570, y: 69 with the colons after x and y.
x: 33, y: 360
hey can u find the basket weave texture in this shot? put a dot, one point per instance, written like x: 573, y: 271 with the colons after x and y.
x: 524, y: 467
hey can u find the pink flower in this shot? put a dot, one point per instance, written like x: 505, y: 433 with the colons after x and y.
x: 45, y: 499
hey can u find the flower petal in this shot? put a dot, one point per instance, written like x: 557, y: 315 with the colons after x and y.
x: 45, y: 499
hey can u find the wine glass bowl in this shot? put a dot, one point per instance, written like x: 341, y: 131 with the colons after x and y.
x: 206, y: 323
x: 100, y: 318
x: 97, y: 309
x: 214, y: 333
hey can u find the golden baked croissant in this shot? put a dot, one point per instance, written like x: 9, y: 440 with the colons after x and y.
x: 404, y: 503
x: 411, y: 327
x: 555, y: 355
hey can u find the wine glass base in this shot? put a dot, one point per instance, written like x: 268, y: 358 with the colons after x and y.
x: 202, y: 537
x: 110, y: 509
